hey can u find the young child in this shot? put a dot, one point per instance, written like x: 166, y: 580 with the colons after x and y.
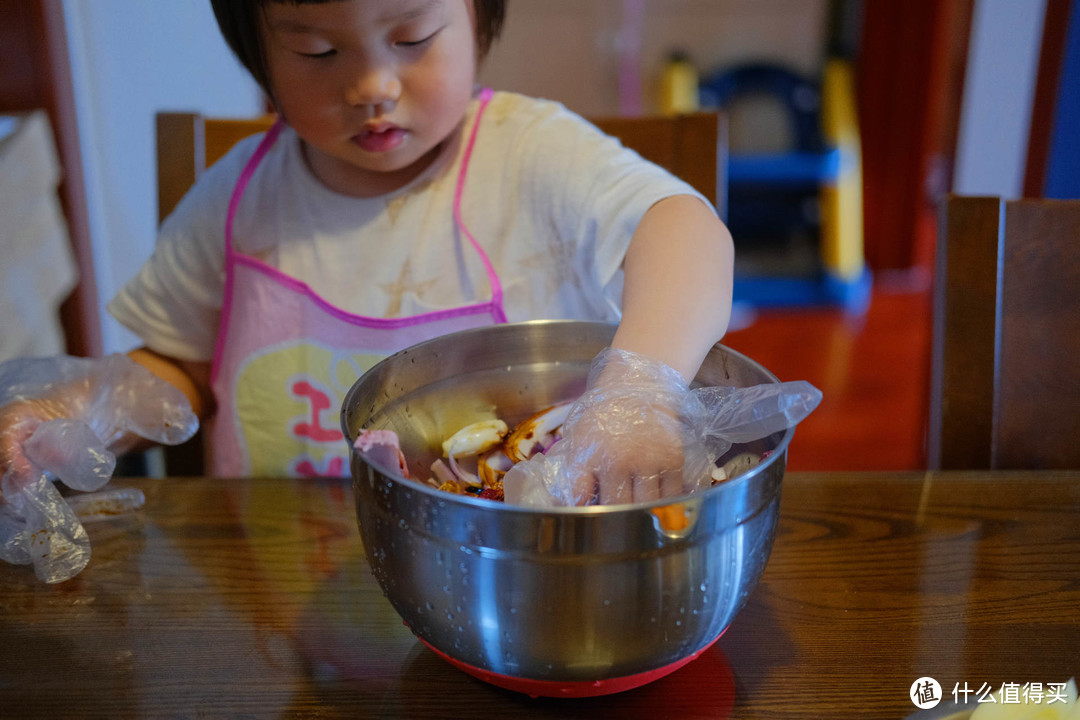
x: 392, y: 203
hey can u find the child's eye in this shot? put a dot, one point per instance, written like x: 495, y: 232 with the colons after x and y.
x: 417, y: 43
x: 325, y: 54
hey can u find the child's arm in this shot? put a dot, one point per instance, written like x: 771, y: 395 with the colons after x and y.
x: 678, y: 283
x: 628, y: 442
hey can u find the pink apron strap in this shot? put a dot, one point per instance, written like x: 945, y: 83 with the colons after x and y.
x: 230, y: 260
x: 242, y: 182
x: 493, y: 278
x: 271, y: 136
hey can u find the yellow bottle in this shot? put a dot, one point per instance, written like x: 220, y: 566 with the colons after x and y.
x: 678, y: 86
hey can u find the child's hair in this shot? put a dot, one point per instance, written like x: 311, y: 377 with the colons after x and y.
x: 239, y: 23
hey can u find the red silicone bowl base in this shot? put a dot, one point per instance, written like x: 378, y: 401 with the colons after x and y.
x: 578, y: 689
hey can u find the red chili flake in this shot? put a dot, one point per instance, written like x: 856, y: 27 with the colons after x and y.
x: 492, y: 494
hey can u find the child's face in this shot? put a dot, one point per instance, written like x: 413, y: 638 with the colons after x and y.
x: 372, y: 86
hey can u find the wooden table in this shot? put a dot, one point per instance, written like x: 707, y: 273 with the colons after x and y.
x: 234, y: 598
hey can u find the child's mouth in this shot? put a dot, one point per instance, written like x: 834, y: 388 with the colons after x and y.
x: 378, y: 140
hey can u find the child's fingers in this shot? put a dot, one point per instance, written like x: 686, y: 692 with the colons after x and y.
x: 152, y: 408
x: 663, y: 483
x: 18, y: 421
x: 71, y: 451
x: 584, y: 486
x: 616, y: 486
x: 647, y: 488
x: 671, y: 483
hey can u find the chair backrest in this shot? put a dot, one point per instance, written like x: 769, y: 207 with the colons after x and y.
x: 690, y: 146
x: 188, y: 143
x: 1005, y: 380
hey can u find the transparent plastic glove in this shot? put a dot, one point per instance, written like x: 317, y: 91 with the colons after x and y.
x: 65, y: 418
x: 638, y: 434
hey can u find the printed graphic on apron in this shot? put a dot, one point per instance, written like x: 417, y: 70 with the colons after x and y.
x: 288, y: 400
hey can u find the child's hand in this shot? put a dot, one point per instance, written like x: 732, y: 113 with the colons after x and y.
x: 638, y: 434
x: 67, y: 417
x: 626, y: 440
x: 626, y: 447
x: 18, y: 421
x: 64, y: 418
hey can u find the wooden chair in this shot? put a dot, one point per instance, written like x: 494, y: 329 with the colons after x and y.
x: 1005, y: 380
x: 691, y: 146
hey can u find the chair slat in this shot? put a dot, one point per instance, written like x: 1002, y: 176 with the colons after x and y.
x: 1038, y: 413
x: 1005, y: 381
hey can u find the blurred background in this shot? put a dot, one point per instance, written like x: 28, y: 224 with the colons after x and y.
x: 845, y: 123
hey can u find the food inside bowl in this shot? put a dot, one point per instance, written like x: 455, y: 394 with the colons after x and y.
x: 477, y: 457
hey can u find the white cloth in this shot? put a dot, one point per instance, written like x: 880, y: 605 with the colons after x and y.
x: 552, y: 200
x: 37, y: 266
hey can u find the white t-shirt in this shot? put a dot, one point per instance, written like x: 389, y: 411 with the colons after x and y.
x: 551, y: 199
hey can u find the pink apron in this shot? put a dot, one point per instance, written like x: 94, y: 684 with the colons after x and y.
x: 285, y: 357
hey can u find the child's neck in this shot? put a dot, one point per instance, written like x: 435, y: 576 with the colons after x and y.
x: 347, y: 179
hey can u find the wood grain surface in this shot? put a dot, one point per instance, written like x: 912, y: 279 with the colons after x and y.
x: 252, y: 598
x: 1006, y: 336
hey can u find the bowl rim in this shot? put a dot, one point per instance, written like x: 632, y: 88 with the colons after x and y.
x: 482, y: 503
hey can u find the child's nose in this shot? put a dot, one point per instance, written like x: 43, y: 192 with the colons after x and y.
x: 375, y: 86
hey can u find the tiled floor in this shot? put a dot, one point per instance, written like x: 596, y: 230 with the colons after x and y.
x: 873, y: 371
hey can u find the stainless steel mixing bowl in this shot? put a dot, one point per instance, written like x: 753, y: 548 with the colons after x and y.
x: 570, y: 595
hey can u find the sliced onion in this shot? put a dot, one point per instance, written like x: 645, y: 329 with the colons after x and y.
x: 491, y: 466
x: 535, y: 432
x: 463, y: 475
x: 442, y: 473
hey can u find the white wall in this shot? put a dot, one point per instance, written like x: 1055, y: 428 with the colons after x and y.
x: 129, y: 60
x: 1002, y: 66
